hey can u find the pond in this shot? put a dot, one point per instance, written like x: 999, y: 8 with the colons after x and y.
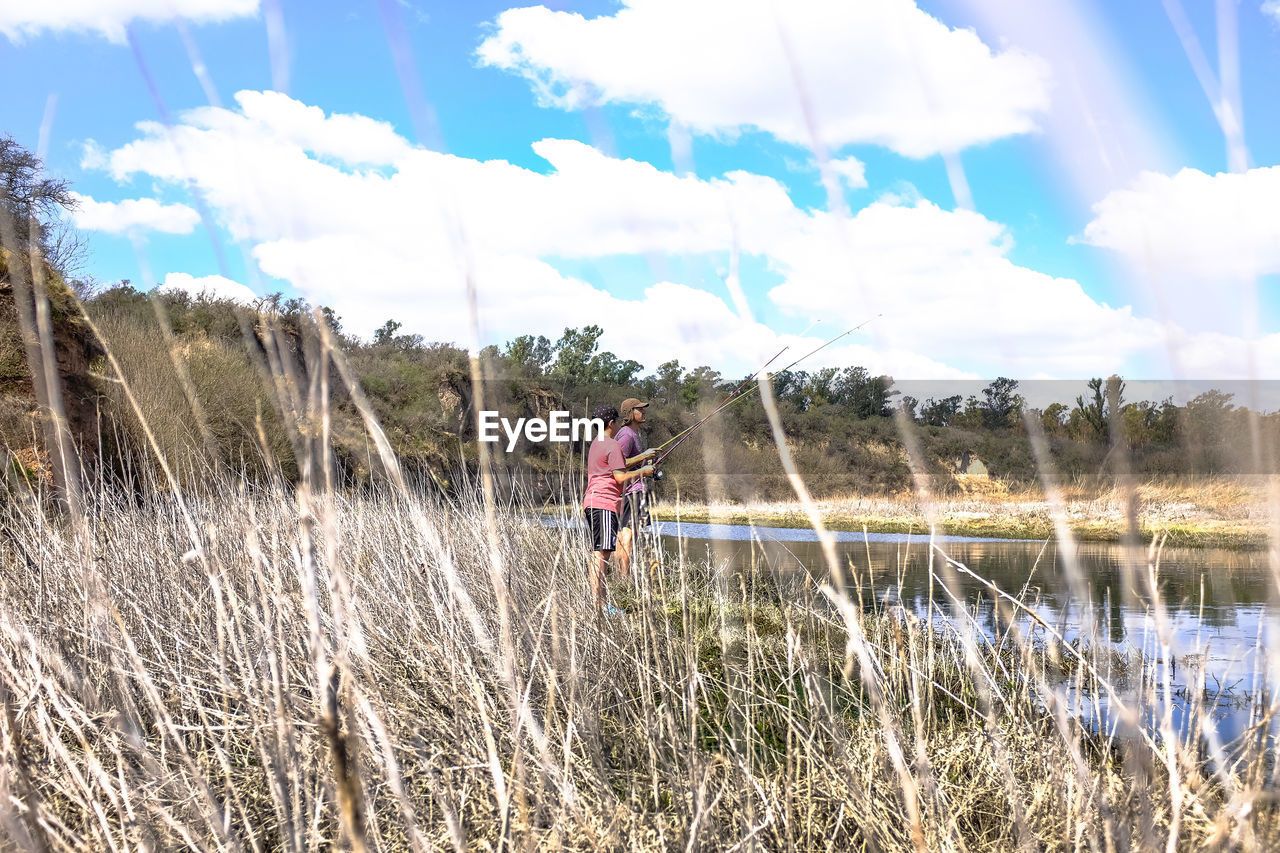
x: 1218, y: 607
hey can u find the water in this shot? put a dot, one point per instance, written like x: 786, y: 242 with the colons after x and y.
x: 1220, y: 605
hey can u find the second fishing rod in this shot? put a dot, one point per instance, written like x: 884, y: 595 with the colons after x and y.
x: 742, y: 391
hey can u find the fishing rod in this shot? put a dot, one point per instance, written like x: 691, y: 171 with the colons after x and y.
x: 731, y: 395
x: 733, y: 398
x: 734, y: 393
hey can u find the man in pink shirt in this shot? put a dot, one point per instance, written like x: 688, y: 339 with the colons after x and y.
x: 606, y: 475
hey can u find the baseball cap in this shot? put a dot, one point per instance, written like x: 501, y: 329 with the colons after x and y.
x: 629, y: 404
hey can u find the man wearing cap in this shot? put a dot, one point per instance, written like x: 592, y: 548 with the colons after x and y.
x: 634, y: 513
x: 607, y: 474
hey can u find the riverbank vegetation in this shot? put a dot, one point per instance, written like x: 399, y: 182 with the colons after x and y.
x: 847, y: 431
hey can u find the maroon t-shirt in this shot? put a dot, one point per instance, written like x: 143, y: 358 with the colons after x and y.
x: 603, y: 492
x: 629, y: 441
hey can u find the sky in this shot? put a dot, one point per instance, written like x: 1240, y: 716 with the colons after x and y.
x: 985, y: 188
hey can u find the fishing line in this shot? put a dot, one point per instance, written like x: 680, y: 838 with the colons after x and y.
x: 742, y: 384
x: 729, y: 398
x: 738, y: 394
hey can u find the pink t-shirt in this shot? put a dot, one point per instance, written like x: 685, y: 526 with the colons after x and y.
x: 605, y: 457
x: 629, y: 441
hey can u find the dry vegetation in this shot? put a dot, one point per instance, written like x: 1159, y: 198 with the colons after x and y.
x: 268, y: 669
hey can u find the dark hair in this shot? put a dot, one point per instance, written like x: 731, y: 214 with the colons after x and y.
x: 605, y: 413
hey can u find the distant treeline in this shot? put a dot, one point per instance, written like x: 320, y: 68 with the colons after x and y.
x: 249, y: 371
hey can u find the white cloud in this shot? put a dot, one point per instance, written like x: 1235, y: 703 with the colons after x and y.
x: 401, y: 240
x: 209, y: 286
x: 1212, y: 355
x: 851, y: 170
x: 1208, y: 226
x: 353, y: 139
x: 946, y: 288
x: 120, y: 217
x: 92, y: 155
x: 873, y: 71
x: 1272, y: 8
x: 109, y: 18
x: 1200, y: 240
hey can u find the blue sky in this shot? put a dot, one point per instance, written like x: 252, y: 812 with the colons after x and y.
x: 1042, y: 192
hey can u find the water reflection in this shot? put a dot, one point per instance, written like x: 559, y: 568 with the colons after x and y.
x: 1219, y: 606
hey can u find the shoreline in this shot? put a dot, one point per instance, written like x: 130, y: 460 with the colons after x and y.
x: 1217, y: 534
x: 1229, y: 513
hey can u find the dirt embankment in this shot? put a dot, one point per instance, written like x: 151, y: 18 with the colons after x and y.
x: 25, y: 424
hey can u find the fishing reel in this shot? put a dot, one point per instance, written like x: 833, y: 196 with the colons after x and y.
x: 658, y: 474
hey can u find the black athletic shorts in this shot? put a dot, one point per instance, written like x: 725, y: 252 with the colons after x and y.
x: 635, y: 511
x: 602, y: 529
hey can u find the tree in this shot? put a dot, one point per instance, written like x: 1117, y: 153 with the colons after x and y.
x: 821, y: 388
x: 940, y: 412
x: 1138, y: 421
x: 386, y: 337
x: 387, y: 333
x: 30, y: 203
x: 1002, y: 404
x: 574, y: 352
x: 1167, y: 427
x: 64, y: 248
x: 789, y: 385
x: 1053, y: 418
x: 1089, y: 419
x: 608, y: 368
x: 1115, y: 401
x: 1207, y: 415
x: 1208, y: 420
x: 532, y: 355
x: 872, y: 400
x: 668, y: 380
x: 865, y: 395
x: 698, y: 384
x: 971, y: 416
x: 332, y: 320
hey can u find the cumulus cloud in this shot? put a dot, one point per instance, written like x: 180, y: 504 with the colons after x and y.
x: 404, y: 239
x: 120, y: 217
x: 209, y: 286
x: 1201, y: 240
x: 874, y: 71
x: 945, y: 287
x: 851, y: 170
x: 109, y: 18
x: 1197, y: 224
x: 1272, y: 8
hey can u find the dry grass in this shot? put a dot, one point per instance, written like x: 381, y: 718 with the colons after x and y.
x: 269, y: 670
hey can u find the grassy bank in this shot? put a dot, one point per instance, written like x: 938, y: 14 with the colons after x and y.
x: 1223, y: 514
x: 281, y: 671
